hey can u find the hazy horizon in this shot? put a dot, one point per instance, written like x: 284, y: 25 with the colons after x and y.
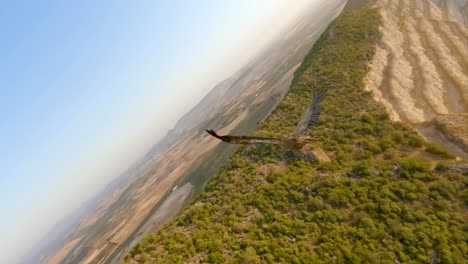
x: 90, y: 87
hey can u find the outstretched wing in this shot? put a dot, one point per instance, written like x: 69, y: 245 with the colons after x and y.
x: 243, y: 139
x: 311, y: 114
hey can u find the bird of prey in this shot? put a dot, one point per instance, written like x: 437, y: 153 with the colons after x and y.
x: 294, y: 141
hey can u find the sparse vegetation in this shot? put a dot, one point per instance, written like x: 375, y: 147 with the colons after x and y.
x: 436, y: 148
x: 379, y: 199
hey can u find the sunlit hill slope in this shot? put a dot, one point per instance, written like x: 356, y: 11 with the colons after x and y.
x: 386, y: 196
x: 138, y: 202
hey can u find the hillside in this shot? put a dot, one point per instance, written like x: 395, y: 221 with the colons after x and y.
x: 138, y: 203
x: 386, y: 196
x: 420, y: 70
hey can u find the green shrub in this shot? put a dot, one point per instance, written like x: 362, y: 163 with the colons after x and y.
x: 326, y: 212
x: 362, y: 169
x: 436, y: 148
x: 386, y: 143
x: 215, y: 257
x: 409, y: 166
x: 416, y: 140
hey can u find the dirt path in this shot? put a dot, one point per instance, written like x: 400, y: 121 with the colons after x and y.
x: 425, y: 74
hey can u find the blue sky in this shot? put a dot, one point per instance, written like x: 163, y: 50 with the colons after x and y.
x: 87, y: 86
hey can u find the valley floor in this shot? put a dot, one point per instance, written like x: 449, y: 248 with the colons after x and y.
x: 386, y: 195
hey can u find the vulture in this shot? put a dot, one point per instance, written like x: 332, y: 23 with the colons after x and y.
x: 293, y: 142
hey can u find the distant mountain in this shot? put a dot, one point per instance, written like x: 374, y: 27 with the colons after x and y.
x: 384, y: 195
x: 207, y: 106
x: 56, y: 237
x: 239, y: 103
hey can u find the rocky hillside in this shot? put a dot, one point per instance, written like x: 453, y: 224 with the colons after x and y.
x: 386, y: 195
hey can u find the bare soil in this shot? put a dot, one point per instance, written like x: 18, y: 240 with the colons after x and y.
x: 420, y: 69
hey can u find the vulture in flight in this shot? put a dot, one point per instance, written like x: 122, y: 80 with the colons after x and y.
x: 293, y: 142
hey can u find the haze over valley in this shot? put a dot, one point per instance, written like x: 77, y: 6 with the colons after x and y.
x: 105, y: 130
x: 137, y: 201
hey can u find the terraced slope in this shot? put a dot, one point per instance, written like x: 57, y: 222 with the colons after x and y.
x: 385, y: 196
x: 420, y: 69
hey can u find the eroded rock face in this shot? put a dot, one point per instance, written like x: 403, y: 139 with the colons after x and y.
x: 419, y: 70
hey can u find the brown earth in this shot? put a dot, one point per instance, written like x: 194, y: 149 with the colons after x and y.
x: 455, y: 127
x: 419, y: 71
x: 58, y: 257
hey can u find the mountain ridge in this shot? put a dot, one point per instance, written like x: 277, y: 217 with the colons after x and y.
x: 120, y: 218
x: 386, y: 196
